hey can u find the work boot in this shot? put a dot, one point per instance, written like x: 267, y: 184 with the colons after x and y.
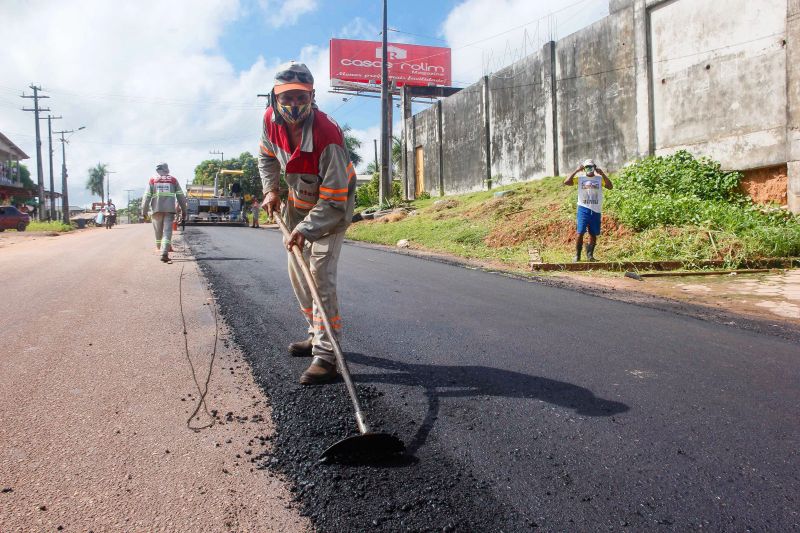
x: 320, y: 371
x: 301, y: 348
x: 590, y: 252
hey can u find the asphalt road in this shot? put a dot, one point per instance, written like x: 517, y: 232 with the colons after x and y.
x: 524, y: 405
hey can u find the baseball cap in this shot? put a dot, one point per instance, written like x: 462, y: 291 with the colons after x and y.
x: 589, y: 163
x: 293, y: 75
x: 163, y: 166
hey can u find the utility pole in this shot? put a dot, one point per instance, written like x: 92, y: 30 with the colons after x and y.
x: 221, y: 163
x: 221, y: 157
x: 64, y: 188
x: 39, y: 170
x: 385, y: 189
x: 108, y: 186
x: 51, y: 118
x: 129, y: 191
x: 377, y: 168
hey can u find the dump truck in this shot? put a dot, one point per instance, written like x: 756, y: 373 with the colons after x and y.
x: 207, y: 204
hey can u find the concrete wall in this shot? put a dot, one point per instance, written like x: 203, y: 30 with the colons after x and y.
x: 596, y: 94
x: 719, y: 78
x: 464, y: 141
x: 718, y: 83
x: 793, y: 104
x: 518, y: 98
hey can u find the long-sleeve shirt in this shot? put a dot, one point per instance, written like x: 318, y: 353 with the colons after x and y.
x: 319, y: 173
x: 163, y: 192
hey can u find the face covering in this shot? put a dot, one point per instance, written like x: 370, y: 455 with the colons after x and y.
x: 294, y: 113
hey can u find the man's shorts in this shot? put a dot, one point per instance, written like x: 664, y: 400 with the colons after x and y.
x: 588, y: 219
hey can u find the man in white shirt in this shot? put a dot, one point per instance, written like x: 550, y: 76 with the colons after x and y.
x: 590, y: 204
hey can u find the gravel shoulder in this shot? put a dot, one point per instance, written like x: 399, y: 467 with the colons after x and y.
x: 97, y: 391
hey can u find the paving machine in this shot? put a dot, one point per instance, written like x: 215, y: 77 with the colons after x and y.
x: 205, y: 204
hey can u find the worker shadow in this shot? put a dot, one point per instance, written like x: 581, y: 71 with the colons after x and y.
x: 460, y: 381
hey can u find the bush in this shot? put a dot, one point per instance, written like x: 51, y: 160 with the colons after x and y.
x: 680, y: 190
x: 57, y: 226
x: 681, y: 174
x: 367, y: 194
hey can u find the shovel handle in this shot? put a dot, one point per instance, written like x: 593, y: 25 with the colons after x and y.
x: 297, y: 257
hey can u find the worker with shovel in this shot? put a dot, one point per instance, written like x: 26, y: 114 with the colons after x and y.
x: 308, y: 146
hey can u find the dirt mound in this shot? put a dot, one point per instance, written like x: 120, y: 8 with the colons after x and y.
x: 496, y: 207
x: 765, y: 185
x: 548, y: 228
x: 394, y: 216
x: 440, y: 205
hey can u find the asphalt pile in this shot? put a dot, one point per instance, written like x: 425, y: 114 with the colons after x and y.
x: 434, y: 492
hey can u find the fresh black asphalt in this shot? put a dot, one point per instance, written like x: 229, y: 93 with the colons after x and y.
x: 524, y: 406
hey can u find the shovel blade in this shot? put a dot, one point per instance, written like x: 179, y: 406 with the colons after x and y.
x: 366, y: 448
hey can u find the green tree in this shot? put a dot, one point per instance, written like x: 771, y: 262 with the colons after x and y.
x: 97, y: 178
x: 397, y: 155
x: 24, y: 175
x: 397, y: 158
x: 27, y: 183
x: 133, y: 209
x: 352, y: 144
x: 205, y: 171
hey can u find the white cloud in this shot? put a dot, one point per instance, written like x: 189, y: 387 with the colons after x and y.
x: 360, y: 28
x: 488, y: 34
x: 146, y: 88
x: 286, y: 12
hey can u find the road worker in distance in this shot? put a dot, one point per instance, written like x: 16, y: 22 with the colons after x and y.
x: 302, y: 141
x: 163, y: 191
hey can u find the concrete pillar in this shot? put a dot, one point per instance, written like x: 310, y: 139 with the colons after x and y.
x: 618, y: 5
x: 551, y: 109
x: 487, y: 132
x: 412, y: 176
x: 405, y: 100
x: 645, y: 140
x: 793, y: 104
x: 440, y: 145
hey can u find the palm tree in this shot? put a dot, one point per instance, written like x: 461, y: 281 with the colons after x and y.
x: 97, y: 179
x: 397, y: 158
x: 352, y: 144
x: 397, y: 154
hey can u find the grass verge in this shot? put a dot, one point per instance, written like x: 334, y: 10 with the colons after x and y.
x: 541, y: 215
x: 58, y: 227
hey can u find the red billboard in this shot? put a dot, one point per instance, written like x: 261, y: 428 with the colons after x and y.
x: 409, y: 64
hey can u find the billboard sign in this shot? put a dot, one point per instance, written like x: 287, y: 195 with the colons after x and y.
x: 409, y: 64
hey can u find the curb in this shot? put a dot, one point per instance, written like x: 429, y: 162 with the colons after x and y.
x: 783, y: 262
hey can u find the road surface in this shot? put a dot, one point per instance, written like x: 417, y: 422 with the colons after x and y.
x: 96, y: 390
x: 523, y: 405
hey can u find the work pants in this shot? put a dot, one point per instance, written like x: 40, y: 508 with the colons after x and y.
x: 322, y: 258
x: 162, y: 224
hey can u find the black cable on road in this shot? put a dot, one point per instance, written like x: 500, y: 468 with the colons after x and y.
x: 203, y: 391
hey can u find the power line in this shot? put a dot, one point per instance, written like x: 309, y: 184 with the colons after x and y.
x: 138, y: 99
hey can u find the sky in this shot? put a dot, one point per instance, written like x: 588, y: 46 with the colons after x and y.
x: 156, y: 81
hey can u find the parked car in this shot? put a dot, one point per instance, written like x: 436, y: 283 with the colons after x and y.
x: 12, y: 218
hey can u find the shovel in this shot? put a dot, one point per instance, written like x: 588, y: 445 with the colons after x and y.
x: 367, y: 446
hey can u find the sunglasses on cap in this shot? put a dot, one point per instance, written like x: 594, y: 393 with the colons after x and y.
x: 291, y: 75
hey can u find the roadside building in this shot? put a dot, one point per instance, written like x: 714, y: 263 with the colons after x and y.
x: 10, y: 183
